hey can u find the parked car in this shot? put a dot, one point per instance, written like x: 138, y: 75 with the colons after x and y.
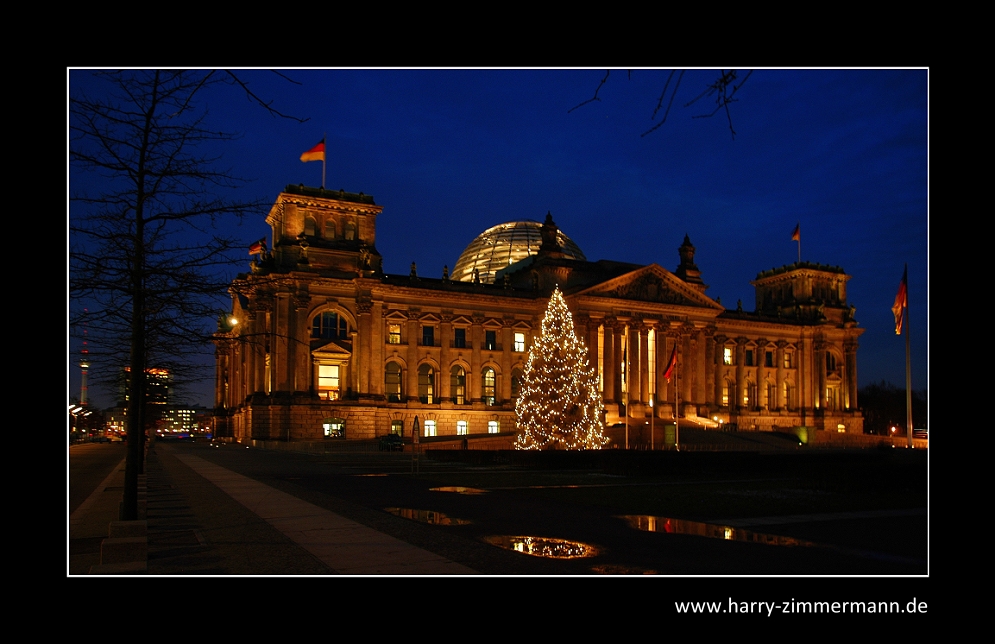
x: 920, y: 433
x: 391, y: 443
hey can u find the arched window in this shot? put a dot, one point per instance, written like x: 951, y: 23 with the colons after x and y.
x: 426, y: 384
x: 329, y: 325
x: 329, y: 229
x: 488, y: 380
x: 349, y: 231
x: 789, y: 395
x: 750, y: 395
x: 830, y: 362
x: 457, y: 383
x: 726, y: 387
x: 392, y: 382
x: 310, y: 226
x: 771, y: 395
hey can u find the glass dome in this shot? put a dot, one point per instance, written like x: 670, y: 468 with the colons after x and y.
x: 505, y: 244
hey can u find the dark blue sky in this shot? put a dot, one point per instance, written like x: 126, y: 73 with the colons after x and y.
x: 451, y: 152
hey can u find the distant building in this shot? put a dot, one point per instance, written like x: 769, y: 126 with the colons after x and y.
x: 321, y: 343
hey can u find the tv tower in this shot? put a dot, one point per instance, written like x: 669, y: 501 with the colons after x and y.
x: 84, y: 364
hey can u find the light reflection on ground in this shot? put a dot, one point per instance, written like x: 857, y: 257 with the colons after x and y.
x: 459, y: 489
x: 613, y: 569
x: 383, y: 474
x: 544, y: 547
x: 427, y: 516
x: 682, y: 526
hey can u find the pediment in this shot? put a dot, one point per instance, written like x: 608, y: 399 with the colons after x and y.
x: 334, y: 349
x: 653, y: 284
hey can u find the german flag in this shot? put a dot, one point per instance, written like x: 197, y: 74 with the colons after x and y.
x: 317, y: 153
x: 901, y: 302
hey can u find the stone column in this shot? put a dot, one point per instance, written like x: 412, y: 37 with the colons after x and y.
x: 410, y: 378
x: 762, y: 401
x: 644, y: 364
x: 850, y: 349
x: 709, y: 360
x: 608, y: 360
x: 507, y: 344
x: 361, y: 354
x: 820, y: 370
x: 740, y: 372
x: 442, y: 381
x: 779, y: 363
x: 474, y: 384
x: 719, y: 367
x: 300, y: 347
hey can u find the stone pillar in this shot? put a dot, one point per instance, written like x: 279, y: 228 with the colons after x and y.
x: 740, y: 372
x: 779, y: 363
x: 300, y: 348
x: 507, y: 344
x: 709, y: 359
x: 620, y: 330
x: 608, y: 360
x: 409, y: 381
x: 474, y: 384
x: 719, y: 367
x: 850, y: 349
x: 363, y: 364
x: 644, y: 364
x: 820, y: 370
x: 442, y: 381
x: 762, y: 401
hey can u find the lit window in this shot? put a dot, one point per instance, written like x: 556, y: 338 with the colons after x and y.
x: 727, y: 355
x: 426, y: 384
x: 488, y: 380
x: 397, y: 427
x: 329, y: 229
x: 349, y: 231
x: 461, y: 427
x: 429, y: 428
x: 520, y: 342
x: 328, y: 381
x: 492, y: 427
x: 725, y: 393
x: 459, y: 338
x: 428, y: 336
x: 393, y: 334
x: 788, y: 357
x: 490, y: 340
x: 333, y: 428
x: 458, y: 384
x: 392, y: 382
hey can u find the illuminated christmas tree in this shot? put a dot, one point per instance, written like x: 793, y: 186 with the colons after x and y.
x: 559, y: 406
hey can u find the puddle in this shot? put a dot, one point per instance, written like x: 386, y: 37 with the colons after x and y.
x: 427, y: 516
x: 458, y: 489
x: 613, y: 569
x: 649, y: 523
x: 544, y: 547
x: 371, y: 474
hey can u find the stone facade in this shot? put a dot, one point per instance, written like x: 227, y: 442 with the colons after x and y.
x: 321, y: 343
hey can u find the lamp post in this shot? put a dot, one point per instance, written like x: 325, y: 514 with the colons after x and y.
x: 652, y: 414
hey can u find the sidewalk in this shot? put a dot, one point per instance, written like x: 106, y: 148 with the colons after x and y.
x: 203, y: 519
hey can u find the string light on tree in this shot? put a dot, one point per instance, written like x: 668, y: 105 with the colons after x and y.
x: 559, y: 406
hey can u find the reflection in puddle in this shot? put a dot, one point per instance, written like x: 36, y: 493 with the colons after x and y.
x: 544, y: 547
x: 613, y: 569
x: 681, y: 526
x: 383, y: 474
x: 427, y: 516
x: 459, y: 489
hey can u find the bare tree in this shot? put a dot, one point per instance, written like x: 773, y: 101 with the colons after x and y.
x: 145, y: 253
x: 722, y: 91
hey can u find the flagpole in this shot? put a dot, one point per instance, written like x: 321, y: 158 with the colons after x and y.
x: 908, y: 363
x: 677, y: 406
x: 625, y: 394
